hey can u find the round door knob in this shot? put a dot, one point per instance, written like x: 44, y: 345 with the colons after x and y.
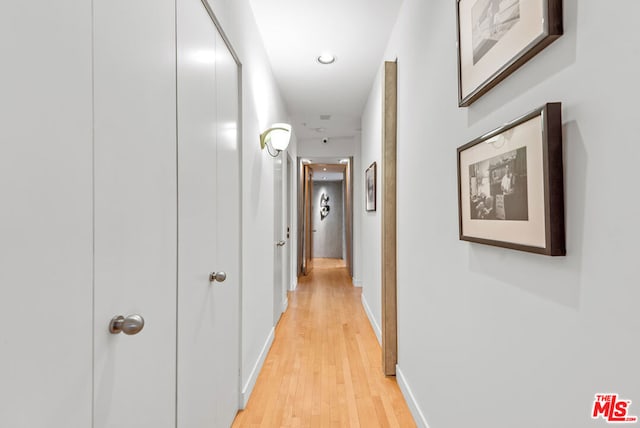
x: 217, y: 276
x: 129, y: 325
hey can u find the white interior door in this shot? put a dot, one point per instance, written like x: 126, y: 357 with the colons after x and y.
x: 209, y: 223
x: 135, y: 211
x: 288, y: 264
x: 280, y: 242
x: 46, y: 214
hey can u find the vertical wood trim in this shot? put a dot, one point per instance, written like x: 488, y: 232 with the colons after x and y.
x: 349, y: 216
x: 310, y: 220
x: 307, y: 220
x: 389, y: 302
x: 300, y: 216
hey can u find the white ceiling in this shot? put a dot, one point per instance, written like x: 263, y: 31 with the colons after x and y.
x: 328, y: 172
x: 295, y: 32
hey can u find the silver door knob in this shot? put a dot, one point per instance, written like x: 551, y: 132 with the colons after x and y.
x: 129, y: 325
x: 217, y: 276
x: 281, y: 243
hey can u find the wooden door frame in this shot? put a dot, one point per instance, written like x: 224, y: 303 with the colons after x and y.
x: 300, y: 216
x: 348, y: 220
x: 305, y: 204
x: 304, y: 213
x: 309, y: 219
x: 388, y: 212
x: 289, y: 221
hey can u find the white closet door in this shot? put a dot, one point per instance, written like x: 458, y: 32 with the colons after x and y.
x: 135, y: 212
x: 209, y: 223
x: 227, y: 298
x: 45, y: 214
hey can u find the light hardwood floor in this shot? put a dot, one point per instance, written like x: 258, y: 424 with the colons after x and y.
x: 324, y: 368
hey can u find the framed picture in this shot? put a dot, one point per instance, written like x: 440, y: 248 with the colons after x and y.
x: 370, y: 185
x: 495, y: 37
x: 510, y: 185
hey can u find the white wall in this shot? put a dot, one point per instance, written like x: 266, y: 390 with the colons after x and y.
x: 491, y: 337
x: 371, y: 220
x: 262, y: 106
x: 342, y: 147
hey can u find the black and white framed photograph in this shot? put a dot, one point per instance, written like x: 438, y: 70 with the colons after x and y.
x: 498, y: 187
x: 510, y: 185
x: 370, y: 186
x: 495, y: 37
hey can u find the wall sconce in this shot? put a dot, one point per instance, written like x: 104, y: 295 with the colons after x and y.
x: 276, y: 138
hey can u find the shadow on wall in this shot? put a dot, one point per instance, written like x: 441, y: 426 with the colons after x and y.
x: 561, y: 278
x: 552, y: 60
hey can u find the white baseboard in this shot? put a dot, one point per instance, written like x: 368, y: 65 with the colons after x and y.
x: 372, y: 320
x: 294, y: 285
x: 285, y: 304
x: 253, y: 377
x: 357, y: 283
x: 417, y: 414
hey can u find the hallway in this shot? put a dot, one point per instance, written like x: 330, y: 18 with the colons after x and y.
x: 324, y: 367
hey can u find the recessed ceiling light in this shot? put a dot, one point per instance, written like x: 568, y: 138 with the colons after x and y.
x: 324, y: 169
x: 326, y: 59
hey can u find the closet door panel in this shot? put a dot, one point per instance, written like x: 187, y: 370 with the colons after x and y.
x: 209, y: 223
x: 135, y: 212
x: 227, y: 332
x: 45, y: 214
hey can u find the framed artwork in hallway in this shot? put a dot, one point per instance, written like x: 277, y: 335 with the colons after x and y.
x: 370, y: 186
x: 496, y: 37
x: 510, y: 185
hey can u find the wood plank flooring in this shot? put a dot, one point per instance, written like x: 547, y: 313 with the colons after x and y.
x: 324, y: 368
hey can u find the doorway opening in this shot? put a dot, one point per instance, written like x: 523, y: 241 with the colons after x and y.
x: 325, y: 213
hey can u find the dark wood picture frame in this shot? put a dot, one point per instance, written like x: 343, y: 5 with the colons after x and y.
x: 551, y: 29
x: 549, y: 168
x: 370, y: 187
